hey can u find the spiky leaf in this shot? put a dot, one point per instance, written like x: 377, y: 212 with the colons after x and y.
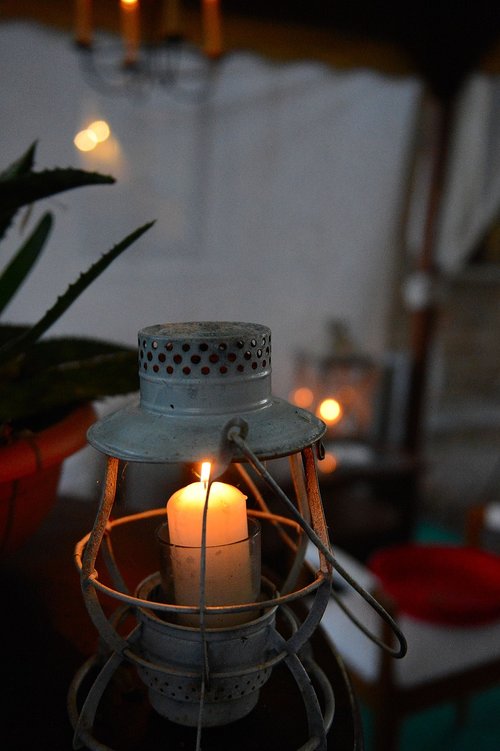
x: 68, y: 384
x: 24, y: 189
x: 21, y: 265
x: 55, y: 351
x: 21, y: 165
x: 17, y: 346
x: 20, y: 185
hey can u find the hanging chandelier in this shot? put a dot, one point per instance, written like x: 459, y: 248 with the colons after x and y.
x: 147, y: 48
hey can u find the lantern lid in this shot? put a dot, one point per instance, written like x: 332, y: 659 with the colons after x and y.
x: 194, y: 379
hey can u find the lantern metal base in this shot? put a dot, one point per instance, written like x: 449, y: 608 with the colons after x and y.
x: 214, y: 714
x: 208, y: 682
x: 116, y: 722
x: 236, y: 658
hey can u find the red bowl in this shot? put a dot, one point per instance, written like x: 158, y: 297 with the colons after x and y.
x: 443, y: 584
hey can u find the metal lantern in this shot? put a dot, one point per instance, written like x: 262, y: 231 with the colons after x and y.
x: 209, y: 626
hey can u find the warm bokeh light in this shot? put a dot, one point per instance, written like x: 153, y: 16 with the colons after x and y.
x: 85, y: 140
x: 205, y: 472
x: 96, y: 133
x: 330, y: 410
x: 100, y: 129
x: 328, y: 464
x: 302, y: 397
x: 129, y: 3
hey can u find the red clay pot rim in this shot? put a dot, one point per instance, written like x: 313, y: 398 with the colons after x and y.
x: 26, y: 456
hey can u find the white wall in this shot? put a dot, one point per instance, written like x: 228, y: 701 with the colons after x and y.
x: 277, y: 201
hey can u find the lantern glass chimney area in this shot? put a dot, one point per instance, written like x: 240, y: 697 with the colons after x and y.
x: 197, y: 584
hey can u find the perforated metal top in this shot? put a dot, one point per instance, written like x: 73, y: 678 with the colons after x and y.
x: 194, y: 378
x: 205, y: 350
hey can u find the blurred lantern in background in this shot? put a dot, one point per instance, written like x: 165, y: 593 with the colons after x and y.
x: 340, y: 386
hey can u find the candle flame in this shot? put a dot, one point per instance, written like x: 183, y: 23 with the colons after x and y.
x: 205, y: 473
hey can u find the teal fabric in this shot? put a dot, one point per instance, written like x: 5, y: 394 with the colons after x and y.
x: 427, y: 532
x: 437, y: 729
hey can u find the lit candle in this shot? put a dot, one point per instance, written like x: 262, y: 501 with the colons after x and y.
x: 228, y: 575
x: 83, y: 13
x: 130, y: 29
x: 212, y: 28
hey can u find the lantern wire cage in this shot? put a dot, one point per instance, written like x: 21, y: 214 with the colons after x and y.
x: 200, y: 676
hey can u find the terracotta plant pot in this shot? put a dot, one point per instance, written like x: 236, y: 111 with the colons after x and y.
x: 30, y: 469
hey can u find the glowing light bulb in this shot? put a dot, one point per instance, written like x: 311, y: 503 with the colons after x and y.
x: 330, y: 410
x: 85, y: 140
x: 100, y: 129
x: 96, y: 133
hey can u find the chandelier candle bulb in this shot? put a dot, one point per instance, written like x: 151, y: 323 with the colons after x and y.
x: 228, y: 577
x: 129, y: 14
x: 212, y: 28
x: 170, y: 19
x: 83, y: 22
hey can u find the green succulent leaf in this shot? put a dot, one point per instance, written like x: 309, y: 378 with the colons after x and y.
x: 69, y: 384
x: 21, y: 265
x: 21, y: 190
x: 20, y: 166
x: 55, y: 351
x: 41, y: 378
x: 21, y: 186
x: 17, y: 346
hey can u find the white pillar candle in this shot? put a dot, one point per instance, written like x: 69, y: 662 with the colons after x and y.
x: 228, y: 574
x: 170, y: 24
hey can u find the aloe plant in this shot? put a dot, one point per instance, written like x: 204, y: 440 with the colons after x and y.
x: 42, y: 377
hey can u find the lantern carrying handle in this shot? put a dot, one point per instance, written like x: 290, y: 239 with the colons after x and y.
x: 236, y: 431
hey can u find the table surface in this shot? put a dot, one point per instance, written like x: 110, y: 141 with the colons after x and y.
x: 47, y: 635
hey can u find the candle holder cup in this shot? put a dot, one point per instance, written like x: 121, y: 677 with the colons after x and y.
x: 241, y: 660
x: 232, y: 576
